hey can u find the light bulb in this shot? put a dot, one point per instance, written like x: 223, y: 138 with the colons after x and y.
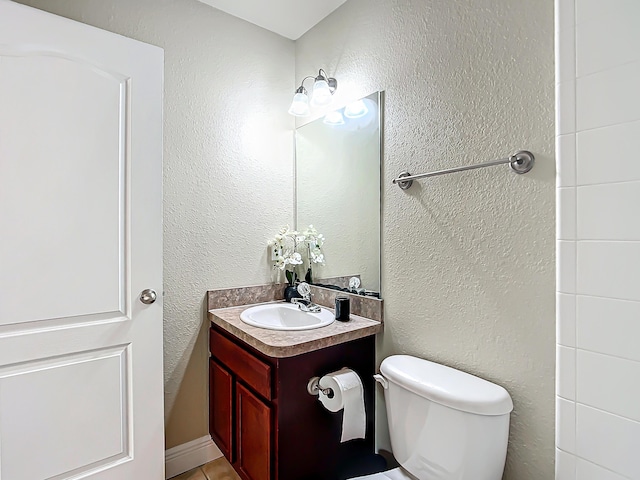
x: 300, y: 105
x: 333, y: 118
x: 321, y: 94
x: 356, y: 109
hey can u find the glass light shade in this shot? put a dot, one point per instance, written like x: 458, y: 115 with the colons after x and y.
x: 356, y: 110
x: 300, y: 105
x: 333, y: 118
x: 321, y: 94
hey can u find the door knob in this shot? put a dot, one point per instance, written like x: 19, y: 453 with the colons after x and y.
x: 148, y: 296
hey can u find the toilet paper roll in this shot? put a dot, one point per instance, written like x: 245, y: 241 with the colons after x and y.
x: 348, y: 394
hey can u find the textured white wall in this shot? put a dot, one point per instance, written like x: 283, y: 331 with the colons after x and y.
x: 598, y: 123
x: 228, y: 149
x: 468, y: 259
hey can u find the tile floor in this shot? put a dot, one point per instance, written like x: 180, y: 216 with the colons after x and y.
x: 218, y: 469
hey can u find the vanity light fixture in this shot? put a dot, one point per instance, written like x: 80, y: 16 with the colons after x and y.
x: 300, y: 105
x: 321, y: 95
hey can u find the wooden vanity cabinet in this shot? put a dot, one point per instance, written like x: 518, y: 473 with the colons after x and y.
x: 266, y: 423
x: 240, y: 413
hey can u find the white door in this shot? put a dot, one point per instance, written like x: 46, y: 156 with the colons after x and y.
x: 81, y: 387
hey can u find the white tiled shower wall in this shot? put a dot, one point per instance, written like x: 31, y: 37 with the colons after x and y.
x: 598, y: 231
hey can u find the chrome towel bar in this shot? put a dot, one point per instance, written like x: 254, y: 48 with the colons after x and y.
x: 520, y: 162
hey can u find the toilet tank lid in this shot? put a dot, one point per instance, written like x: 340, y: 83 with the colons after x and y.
x: 447, y: 386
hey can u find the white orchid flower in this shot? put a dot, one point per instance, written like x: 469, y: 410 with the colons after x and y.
x: 317, y: 257
x: 291, y: 248
x: 295, y: 259
x: 310, y: 231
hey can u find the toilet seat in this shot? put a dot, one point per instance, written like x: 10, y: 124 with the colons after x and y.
x: 395, y: 474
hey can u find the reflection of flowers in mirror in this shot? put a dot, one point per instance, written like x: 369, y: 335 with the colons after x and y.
x: 290, y: 248
x: 314, y: 242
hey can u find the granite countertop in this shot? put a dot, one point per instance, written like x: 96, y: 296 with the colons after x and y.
x: 279, y: 343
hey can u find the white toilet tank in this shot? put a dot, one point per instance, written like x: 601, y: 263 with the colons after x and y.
x: 445, y: 424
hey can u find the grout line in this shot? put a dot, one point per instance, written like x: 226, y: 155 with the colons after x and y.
x: 598, y: 184
x: 604, y: 297
x: 577, y: 131
x: 575, y: 386
x: 606, y: 69
x: 601, y: 296
x: 575, y: 105
x: 603, y: 240
x: 575, y: 266
x: 596, y: 352
x: 601, y: 466
x: 601, y: 410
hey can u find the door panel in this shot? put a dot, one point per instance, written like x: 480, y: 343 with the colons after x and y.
x: 31, y: 390
x: 76, y: 179
x: 81, y: 384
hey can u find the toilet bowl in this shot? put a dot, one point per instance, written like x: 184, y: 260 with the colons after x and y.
x: 444, y: 424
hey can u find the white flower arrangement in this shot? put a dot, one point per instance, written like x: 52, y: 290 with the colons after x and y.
x: 290, y: 248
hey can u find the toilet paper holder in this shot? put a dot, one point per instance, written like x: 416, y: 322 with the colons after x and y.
x: 313, y: 387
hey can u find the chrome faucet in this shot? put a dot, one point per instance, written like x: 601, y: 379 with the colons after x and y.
x: 305, y: 304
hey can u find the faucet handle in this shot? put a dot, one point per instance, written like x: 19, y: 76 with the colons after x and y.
x: 305, y: 290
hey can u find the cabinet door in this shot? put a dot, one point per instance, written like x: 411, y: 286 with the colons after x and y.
x: 221, y: 408
x: 253, y: 434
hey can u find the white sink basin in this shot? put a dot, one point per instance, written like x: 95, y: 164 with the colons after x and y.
x: 284, y: 316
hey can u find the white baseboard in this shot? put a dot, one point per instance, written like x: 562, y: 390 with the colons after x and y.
x: 183, y: 458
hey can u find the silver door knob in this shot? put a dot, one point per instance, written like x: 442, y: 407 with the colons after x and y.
x: 148, y: 296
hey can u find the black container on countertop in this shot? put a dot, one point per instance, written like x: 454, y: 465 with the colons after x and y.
x: 343, y: 309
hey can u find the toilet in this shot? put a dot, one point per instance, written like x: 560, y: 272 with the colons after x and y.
x: 444, y: 424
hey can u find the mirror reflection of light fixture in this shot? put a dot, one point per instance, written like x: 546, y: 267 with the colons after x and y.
x: 356, y: 109
x: 333, y: 118
x: 321, y: 95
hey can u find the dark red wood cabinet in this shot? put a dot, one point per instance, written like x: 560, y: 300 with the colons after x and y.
x: 221, y: 401
x: 253, y: 435
x: 266, y: 423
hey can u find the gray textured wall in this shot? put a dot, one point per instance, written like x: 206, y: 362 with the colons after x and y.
x: 468, y: 259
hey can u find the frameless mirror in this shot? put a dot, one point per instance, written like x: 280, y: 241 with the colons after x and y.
x: 338, y: 191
